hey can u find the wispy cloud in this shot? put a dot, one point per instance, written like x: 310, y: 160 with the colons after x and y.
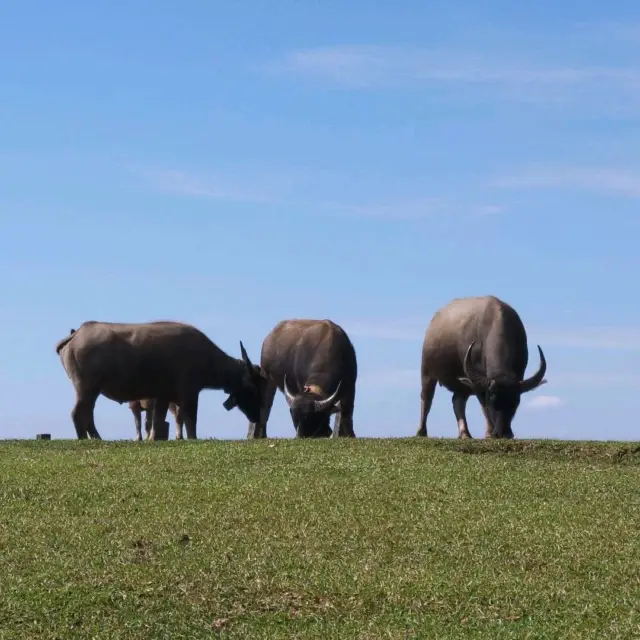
x: 417, y: 209
x: 370, y: 66
x: 401, y: 210
x: 595, y: 337
x: 217, y: 187
x: 543, y: 402
x: 491, y: 209
x: 621, y: 182
x: 282, y: 187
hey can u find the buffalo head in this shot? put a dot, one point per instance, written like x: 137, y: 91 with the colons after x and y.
x: 247, y: 392
x: 310, y: 412
x: 500, y: 396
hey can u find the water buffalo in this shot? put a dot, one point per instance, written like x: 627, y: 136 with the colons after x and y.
x: 168, y: 361
x: 147, y: 405
x: 478, y: 345
x: 314, y: 364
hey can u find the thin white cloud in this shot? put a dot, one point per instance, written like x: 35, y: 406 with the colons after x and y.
x: 176, y: 182
x: 370, y: 66
x: 418, y: 209
x: 544, y: 402
x: 402, y: 210
x: 364, y: 65
x: 281, y: 187
x: 490, y: 209
x: 621, y: 182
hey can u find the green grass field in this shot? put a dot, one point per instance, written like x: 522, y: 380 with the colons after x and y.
x: 274, y: 539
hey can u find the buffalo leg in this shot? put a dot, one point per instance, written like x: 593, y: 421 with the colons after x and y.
x: 93, y: 432
x: 426, y: 397
x: 459, y: 408
x: 137, y: 416
x: 78, y: 421
x: 488, y: 431
x: 177, y: 414
x: 148, y: 421
x: 189, y: 411
x: 159, y: 426
x: 259, y: 430
x: 82, y: 416
x: 343, y: 425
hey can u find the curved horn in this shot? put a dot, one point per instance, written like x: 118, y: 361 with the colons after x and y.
x: 289, y: 397
x: 476, y: 378
x: 537, y: 378
x: 323, y: 405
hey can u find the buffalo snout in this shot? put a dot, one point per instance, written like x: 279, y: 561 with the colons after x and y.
x: 501, y: 430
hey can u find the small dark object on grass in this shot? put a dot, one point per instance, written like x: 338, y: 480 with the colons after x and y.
x: 43, y: 436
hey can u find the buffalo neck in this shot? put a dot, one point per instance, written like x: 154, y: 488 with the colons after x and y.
x: 224, y: 372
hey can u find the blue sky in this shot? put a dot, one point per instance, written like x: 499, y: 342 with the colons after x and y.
x: 233, y: 164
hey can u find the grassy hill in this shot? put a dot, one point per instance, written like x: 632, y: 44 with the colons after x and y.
x: 319, y: 539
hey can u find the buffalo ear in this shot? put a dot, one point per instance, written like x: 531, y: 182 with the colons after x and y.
x: 543, y: 382
x: 245, y: 356
x: 230, y: 403
x: 255, y: 371
x: 466, y: 382
x: 335, y: 408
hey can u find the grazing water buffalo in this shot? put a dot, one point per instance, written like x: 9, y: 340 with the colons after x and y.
x: 167, y: 361
x: 148, y: 405
x: 314, y: 364
x: 478, y: 346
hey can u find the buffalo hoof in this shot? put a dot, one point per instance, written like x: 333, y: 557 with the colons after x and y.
x: 256, y: 431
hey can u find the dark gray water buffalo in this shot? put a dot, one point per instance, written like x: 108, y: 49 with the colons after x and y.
x: 147, y: 405
x: 167, y: 361
x: 478, y: 346
x: 314, y: 364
